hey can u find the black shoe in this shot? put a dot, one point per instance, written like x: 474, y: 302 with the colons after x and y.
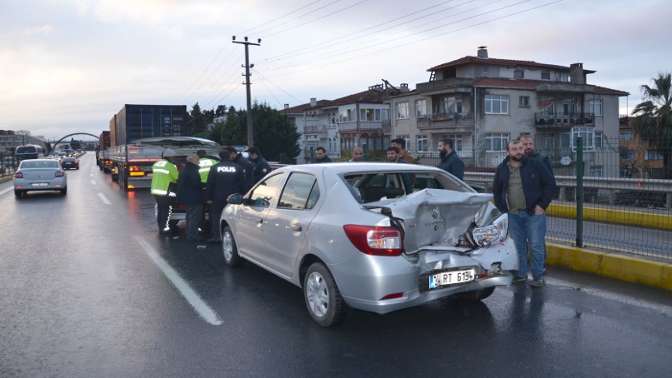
x: 517, y: 280
x: 537, y: 283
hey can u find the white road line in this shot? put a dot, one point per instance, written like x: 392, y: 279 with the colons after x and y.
x: 202, y: 308
x: 93, y: 182
x: 104, y: 199
x: 6, y: 190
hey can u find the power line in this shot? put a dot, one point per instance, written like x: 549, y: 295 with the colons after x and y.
x: 348, y: 52
x: 301, y: 15
x: 275, y: 85
x: 319, y: 18
x: 266, y: 23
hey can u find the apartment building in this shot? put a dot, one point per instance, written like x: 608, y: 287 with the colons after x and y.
x: 9, y: 140
x: 481, y: 102
x: 639, y: 159
x: 360, y: 119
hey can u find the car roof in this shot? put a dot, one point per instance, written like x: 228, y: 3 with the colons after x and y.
x: 341, y: 168
x: 37, y: 160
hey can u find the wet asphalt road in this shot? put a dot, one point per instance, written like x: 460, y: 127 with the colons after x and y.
x: 81, y: 297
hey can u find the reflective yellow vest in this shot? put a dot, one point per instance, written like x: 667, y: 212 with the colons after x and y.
x: 164, y: 173
x: 204, y: 165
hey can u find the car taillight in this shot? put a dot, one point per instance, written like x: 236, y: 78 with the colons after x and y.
x: 375, y: 240
x: 18, y: 174
x: 59, y: 173
x: 134, y: 168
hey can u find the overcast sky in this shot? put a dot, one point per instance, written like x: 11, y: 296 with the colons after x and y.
x: 68, y: 66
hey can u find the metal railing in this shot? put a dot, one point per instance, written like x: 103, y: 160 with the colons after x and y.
x: 554, y: 120
x: 8, y: 164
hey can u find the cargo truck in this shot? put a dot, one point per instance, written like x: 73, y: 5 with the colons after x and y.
x: 103, y: 152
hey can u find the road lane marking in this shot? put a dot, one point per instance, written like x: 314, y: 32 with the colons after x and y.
x: 104, y: 199
x: 93, y: 182
x: 6, y: 190
x: 196, y: 302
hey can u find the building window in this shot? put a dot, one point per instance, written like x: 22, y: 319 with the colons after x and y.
x: 626, y: 135
x: 518, y: 73
x: 545, y: 75
x: 421, y: 108
x: 595, y: 107
x: 524, y: 101
x: 653, y: 155
x: 599, y: 139
x: 587, y: 134
x: 402, y: 110
x: 496, y: 142
x: 422, y: 143
x: 596, y: 171
x: 496, y: 104
x: 366, y: 114
x: 376, y: 115
x: 627, y: 154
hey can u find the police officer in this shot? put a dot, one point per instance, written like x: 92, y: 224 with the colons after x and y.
x: 164, y: 179
x: 248, y: 169
x: 261, y: 167
x: 224, y: 179
x: 204, y: 164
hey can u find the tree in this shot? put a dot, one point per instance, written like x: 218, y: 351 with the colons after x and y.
x: 653, y: 118
x: 197, y: 121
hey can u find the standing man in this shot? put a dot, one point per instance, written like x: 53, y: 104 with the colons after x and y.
x: 530, y: 152
x: 393, y: 155
x: 450, y: 162
x: 357, y: 154
x: 164, y: 177
x: 205, y: 162
x: 321, y: 156
x: 261, y: 167
x: 524, y: 188
x: 190, y: 193
x: 248, y: 170
x: 224, y: 179
x: 400, y: 144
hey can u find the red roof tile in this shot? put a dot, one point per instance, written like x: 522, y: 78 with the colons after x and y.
x: 500, y: 62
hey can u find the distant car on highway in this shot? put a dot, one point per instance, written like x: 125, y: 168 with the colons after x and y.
x: 373, y: 236
x: 39, y: 175
x: 70, y: 162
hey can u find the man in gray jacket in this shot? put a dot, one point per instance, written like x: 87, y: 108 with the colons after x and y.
x: 450, y: 162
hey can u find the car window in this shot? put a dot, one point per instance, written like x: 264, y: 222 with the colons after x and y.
x: 267, y: 191
x: 314, y: 196
x: 39, y: 164
x: 372, y: 187
x: 297, y: 191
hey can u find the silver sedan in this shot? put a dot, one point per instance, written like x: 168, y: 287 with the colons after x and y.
x: 372, y: 236
x: 39, y: 175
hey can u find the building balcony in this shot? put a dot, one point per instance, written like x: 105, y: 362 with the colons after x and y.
x: 448, y: 85
x: 364, y: 126
x: 546, y: 120
x: 447, y: 122
x: 314, y: 129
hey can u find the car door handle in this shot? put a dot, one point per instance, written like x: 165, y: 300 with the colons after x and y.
x: 295, y: 226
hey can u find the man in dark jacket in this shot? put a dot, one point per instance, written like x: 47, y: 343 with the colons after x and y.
x: 248, y: 170
x: 524, y: 188
x: 224, y: 179
x: 261, y: 167
x: 190, y: 193
x: 450, y: 162
x: 321, y: 156
x: 528, y: 146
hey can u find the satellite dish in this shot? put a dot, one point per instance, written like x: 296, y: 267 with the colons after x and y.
x: 566, y: 160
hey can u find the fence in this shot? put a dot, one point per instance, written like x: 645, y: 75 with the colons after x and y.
x: 8, y: 164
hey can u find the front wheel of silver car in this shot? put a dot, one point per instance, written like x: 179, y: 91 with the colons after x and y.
x: 323, y: 299
x: 477, y: 295
x: 229, y: 249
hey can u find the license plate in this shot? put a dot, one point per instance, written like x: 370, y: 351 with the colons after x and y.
x: 451, y: 277
x: 40, y: 184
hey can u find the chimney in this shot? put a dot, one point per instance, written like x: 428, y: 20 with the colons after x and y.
x: 576, y: 74
x: 286, y: 106
x: 313, y: 102
x: 482, y: 52
x: 403, y: 87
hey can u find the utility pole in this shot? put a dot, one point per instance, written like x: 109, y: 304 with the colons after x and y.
x: 247, y: 66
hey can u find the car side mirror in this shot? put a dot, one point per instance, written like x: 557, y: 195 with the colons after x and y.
x: 235, y: 199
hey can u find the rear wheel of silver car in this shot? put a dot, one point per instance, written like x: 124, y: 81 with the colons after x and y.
x: 229, y: 249
x: 18, y: 194
x: 477, y: 295
x: 64, y: 191
x: 323, y: 299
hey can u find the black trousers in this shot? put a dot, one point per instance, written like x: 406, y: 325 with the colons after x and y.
x: 194, y: 219
x: 216, y: 209
x: 163, y: 204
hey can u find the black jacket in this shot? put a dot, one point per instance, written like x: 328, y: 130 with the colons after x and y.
x: 325, y: 159
x: 224, y: 179
x: 261, y: 168
x: 544, y: 159
x: 452, y: 164
x: 248, y: 170
x: 538, y: 184
x: 189, y: 190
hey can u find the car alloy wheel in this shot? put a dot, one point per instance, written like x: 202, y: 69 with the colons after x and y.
x: 229, y: 249
x: 318, y: 294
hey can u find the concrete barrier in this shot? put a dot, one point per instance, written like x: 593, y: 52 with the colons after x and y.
x: 624, y: 268
x: 614, y: 216
x: 5, y: 179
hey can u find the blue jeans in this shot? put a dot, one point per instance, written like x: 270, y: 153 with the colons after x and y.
x: 526, y: 229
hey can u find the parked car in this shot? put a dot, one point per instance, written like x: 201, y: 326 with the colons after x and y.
x: 372, y: 236
x: 39, y: 175
x: 70, y: 162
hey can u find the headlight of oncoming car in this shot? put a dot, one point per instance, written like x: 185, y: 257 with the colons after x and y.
x: 494, y: 233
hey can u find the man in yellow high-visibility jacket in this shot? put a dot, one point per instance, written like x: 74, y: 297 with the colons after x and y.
x: 164, y: 178
x: 204, y: 164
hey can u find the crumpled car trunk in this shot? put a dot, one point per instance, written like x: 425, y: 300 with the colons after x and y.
x: 437, y: 217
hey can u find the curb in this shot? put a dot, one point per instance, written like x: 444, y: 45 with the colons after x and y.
x: 623, y: 268
x: 627, y: 218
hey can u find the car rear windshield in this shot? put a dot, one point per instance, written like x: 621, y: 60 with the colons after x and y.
x: 39, y: 164
x: 375, y: 186
x: 25, y: 150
